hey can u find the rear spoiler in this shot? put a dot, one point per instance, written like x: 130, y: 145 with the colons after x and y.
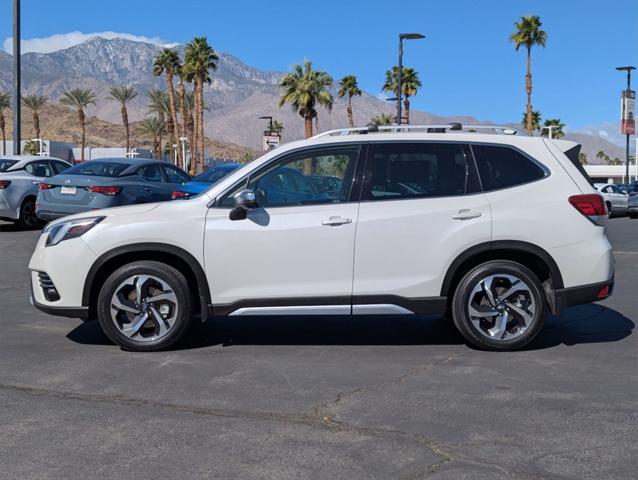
x: 572, y: 151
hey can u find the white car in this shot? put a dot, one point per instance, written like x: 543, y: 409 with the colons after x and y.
x: 615, y: 200
x: 492, y: 228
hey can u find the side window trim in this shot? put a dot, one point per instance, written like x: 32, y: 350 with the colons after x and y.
x: 546, y: 171
x: 286, y: 155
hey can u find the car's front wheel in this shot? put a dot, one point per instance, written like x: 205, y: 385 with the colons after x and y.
x: 499, y: 305
x: 145, y: 306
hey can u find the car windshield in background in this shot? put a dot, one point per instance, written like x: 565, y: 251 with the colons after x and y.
x: 98, y: 169
x: 5, y: 164
x: 213, y: 175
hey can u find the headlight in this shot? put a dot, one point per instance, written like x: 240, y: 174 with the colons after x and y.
x: 58, y: 232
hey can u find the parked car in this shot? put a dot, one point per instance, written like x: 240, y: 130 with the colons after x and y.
x: 490, y: 227
x: 615, y: 200
x: 632, y: 207
x: 107, y: 183
x: 204, y: 180
x: 19, y: 179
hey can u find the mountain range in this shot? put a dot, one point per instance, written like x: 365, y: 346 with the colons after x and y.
x: 236, y: 97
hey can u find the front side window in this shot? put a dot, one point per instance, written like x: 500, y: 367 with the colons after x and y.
x: 502, y: 167
x: 174, y: 175
x: 98, y: 169
x: 310, y: 178
x: 150, y: 173
x: 414, y: 170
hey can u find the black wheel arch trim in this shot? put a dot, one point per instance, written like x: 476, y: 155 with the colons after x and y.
x: 512, y: 245
x: 151, y: 247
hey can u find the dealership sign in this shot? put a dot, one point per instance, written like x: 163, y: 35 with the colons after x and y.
x: 628, y: 112
x: 271, y: 140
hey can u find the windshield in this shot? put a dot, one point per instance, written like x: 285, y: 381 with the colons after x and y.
x: 5, y: 164
x: 213, y: 175
x: 99, y: 169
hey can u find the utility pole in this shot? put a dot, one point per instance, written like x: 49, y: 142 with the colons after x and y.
x: 627, y: 69
x: 16, y: 77
x: 403, y: 36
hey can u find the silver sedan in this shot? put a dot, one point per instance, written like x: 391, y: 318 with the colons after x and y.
x: 20, y: 176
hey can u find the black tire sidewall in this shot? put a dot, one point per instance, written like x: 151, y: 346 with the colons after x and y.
x: 172, y: 277
x: 461, y: 296
x: 22, y: 221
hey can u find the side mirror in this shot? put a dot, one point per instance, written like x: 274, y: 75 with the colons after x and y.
x: 244, y: 201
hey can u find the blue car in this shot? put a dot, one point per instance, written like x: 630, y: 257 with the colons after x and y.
x: 107, y: 183
x: 204, y: 180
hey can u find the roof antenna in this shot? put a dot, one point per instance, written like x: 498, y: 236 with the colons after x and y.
x: 372, y: 128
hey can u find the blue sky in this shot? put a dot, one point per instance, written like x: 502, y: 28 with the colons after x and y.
x: 466, y: 63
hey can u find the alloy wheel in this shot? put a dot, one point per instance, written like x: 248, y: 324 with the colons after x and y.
x: 144, y: 308
x: 501, y: 307
x: 29, y: 218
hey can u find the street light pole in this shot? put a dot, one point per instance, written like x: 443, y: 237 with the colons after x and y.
x: 402, y: 36
x: 627, y: 69
x: 16, y: 77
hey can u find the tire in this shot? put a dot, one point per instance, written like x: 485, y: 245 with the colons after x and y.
x: 610, y: 212
x: 28, y: 218
x: 522, y: 312
x: 147, y: 325
x: 633, y: 216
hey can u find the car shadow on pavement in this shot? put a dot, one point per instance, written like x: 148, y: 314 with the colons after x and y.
x: 12, y: 227
x: 577, y: 325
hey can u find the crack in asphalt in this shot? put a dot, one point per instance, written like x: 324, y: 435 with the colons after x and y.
x: 305, y: 419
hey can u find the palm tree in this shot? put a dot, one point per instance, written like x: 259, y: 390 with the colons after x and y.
x: 123, y: 95
x: 35, y: 104
x: 80, y: 99
x: 158, y: 104
x: 381, y: 119
x: 167, y: 63
x: 277, y: 126
x: 5, y: 103
x: 536, y: 121
x: 529, y: 34
x: 31, y: 148
x: 410, y: 85
x: 185, y: 108
x: 582, y: 158
x: 199, y: 60
x: 600, y: 155
x: 614, y: 161
x: 152, y: 127
x: 348, y: 86
x: 557, y: 128
x: 304, y: 89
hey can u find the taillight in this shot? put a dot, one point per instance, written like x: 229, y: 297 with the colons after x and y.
x: 590, y: 205
x: 45, y: 186
x: 4, y: 184
x: 177, y: 195
x: 108, y: 191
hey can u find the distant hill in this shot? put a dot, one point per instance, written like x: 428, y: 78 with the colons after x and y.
x: 238, y: 95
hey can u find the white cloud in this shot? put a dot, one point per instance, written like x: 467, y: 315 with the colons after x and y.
x: 60, y: 41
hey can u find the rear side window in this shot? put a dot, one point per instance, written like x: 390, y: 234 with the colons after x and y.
x: 415, y: 170
x: 150, y: 173
x: 40, y: 168
x: 502, y: 167
x: 59, y: 167
x: 97, y: 168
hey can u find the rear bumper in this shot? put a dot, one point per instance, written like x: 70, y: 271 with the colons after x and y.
x: 594, y: 292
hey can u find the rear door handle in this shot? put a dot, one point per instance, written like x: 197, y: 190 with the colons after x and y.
x: 334, y: 221
x: 466, y: 214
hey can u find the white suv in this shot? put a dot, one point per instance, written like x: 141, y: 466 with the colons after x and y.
x: 496, y: 229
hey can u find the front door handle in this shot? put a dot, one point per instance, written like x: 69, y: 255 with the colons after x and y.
x: 466, y: 214
x: 147, y: 190
x: 334, y: 221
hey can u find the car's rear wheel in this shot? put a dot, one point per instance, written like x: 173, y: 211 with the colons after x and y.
x: 499, y: 305
x: 28, y: 218
x: 633, y: 216
x: 610, y: 212
x: 145, y: 306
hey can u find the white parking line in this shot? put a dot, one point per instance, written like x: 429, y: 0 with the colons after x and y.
x: 625, y: 253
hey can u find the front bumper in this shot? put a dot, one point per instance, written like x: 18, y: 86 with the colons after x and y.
x: 70, y: 312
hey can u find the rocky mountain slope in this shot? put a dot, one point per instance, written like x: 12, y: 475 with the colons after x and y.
x: 237, y: 96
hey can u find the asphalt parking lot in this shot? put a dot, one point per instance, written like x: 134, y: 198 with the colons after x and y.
x: 325, y: 398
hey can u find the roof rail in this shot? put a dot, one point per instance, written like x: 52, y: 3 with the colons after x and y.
x: 440, y: 128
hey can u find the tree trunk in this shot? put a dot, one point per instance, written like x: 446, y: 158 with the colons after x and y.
x: 528, y: 90
x: 200, y: 117
x: 157, y: 148
x: 349, y: 110
x: 195, y: 145
x: 36, y: 124
x: 82, y: 119
x: 182, y: 100
x: 406, y: 109
x: 160, y: 115
x: 170, y: 129
x: 171, y: 101
x: 4, y: 135
x: 126, y: 127
x: 308, y: 126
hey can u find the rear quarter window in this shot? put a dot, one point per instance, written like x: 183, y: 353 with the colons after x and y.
x: 503, y: 167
